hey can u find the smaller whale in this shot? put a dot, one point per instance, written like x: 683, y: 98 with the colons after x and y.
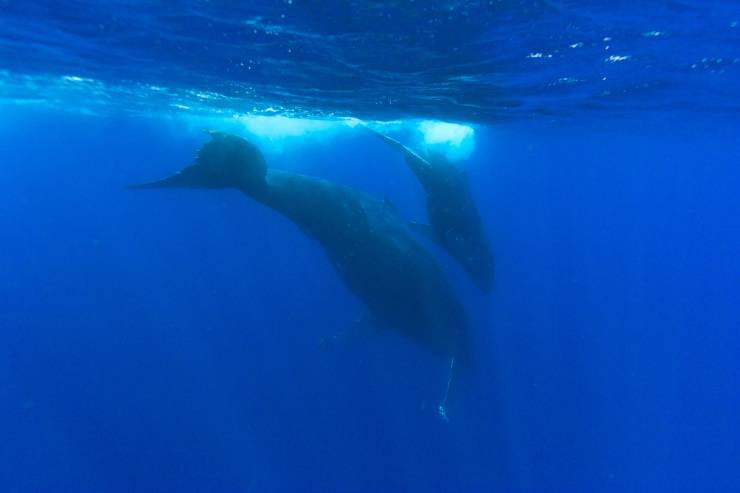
x: 370, y: 247
x: 454, y: 220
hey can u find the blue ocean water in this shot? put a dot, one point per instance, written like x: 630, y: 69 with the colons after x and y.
x: 173, y: 340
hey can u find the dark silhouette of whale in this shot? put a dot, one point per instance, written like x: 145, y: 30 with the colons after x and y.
x: 454, y: 220
x: 373, y: 251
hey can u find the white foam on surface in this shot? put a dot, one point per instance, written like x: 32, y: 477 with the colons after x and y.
x: 275, y: 129
x: 454, y: 140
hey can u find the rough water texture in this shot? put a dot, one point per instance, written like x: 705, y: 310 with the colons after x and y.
x: 479, y: 61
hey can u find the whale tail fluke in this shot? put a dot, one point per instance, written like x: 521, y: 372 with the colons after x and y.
x: 227, y: 161
x: 193, y: 176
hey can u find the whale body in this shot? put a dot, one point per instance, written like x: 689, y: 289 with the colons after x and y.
x: 373, y: 251
x: 454, y: 220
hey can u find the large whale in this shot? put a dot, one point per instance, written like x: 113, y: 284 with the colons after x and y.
x: 454, y: 220
x: 373, y: 251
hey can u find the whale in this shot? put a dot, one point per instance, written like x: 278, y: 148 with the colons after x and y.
x: 454, y: 219
x: 377, y: 257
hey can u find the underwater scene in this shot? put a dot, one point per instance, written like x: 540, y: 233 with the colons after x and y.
x: 369, y: 246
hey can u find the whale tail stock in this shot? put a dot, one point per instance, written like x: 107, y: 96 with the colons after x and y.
x: 226, y: 161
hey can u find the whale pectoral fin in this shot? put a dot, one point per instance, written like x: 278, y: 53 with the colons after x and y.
x: 418, y: 164
x: 388, y: 140
x: 423, y: 230
x: 444, y: 407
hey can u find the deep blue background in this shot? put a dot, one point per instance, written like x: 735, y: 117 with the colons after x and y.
x: 168, y: 340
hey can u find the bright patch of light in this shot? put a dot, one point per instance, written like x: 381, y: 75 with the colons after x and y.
x: 269, y: 126
x: 617, y: 58
x: 442, y: 132
x: 74, y: 78
x: 281, y: 127
x: 278, y: 134
x: 352, y: 122
x: 453, y: 140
